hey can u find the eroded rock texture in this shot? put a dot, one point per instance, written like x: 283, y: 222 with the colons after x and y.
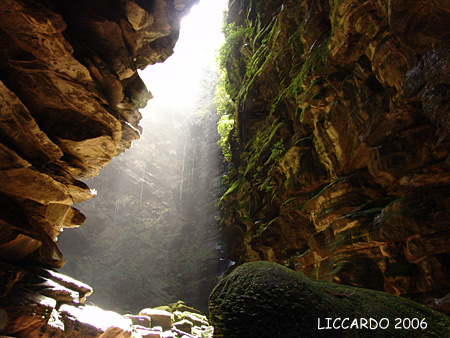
x: 70, y: 95
x: 44, y: 303
x: 69, y: 100
x: 340, y: 164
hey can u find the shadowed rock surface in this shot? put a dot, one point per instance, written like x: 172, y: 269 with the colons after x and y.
x: 340, y: 148
x: 266, y: 299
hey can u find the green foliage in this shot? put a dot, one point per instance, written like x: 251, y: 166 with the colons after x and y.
x: 292, y: 261
x: 261, y: 229
x: 274, y: 130
x: 263, y: 53
x: 303, y: 205
x: 222, y: 101
x: 224, y: 127
x: 234, y: 38
x: 316, y: 57
x: 233, y: 187
x: 267, y: 185
x: 224, y: 108
x: 278, y: 149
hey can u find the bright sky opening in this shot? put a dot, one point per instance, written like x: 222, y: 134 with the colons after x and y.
x: 177, y: 79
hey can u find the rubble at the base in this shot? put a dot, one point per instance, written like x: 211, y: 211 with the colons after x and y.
x: 43, y: 303
x: 174, y: 321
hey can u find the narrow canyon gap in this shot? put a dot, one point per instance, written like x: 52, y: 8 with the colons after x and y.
x: 335, y: 130
x: 70, y: 95
x: 152, y: 236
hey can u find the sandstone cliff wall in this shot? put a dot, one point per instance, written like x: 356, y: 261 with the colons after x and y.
x: 69, y: 100
x: 70, y: 95
x: 340, y: 152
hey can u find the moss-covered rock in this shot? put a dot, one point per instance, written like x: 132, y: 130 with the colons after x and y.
x: 265, y: 299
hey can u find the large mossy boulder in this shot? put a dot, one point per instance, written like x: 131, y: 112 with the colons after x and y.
x: 265, y: 299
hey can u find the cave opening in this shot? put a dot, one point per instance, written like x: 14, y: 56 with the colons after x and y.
x: 151, y: 236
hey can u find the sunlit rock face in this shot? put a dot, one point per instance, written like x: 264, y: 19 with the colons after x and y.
x: 45, y: 303
x: 69, y: 99
x: 70, y: 95
x: 340, y: 163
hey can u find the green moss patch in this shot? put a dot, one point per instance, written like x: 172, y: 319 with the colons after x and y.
x: 265, y: 299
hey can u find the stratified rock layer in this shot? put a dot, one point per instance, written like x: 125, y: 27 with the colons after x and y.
x: 69, y: 99
x: 265, y: 299
x: 340, y: 153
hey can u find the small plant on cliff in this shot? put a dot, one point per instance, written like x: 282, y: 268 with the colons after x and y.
x: 278, y: 150
x: 234, y: 38
x: 224, y: 107
x: 224, y: 127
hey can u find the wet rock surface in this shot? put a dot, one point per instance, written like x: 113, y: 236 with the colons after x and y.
x: 266, y: 299
x: 340, y: 149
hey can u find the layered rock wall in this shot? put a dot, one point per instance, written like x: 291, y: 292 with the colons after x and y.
x: 70, y: 95
x: 340, y: 152
x: 45, y: 303
x: 69, y: 100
